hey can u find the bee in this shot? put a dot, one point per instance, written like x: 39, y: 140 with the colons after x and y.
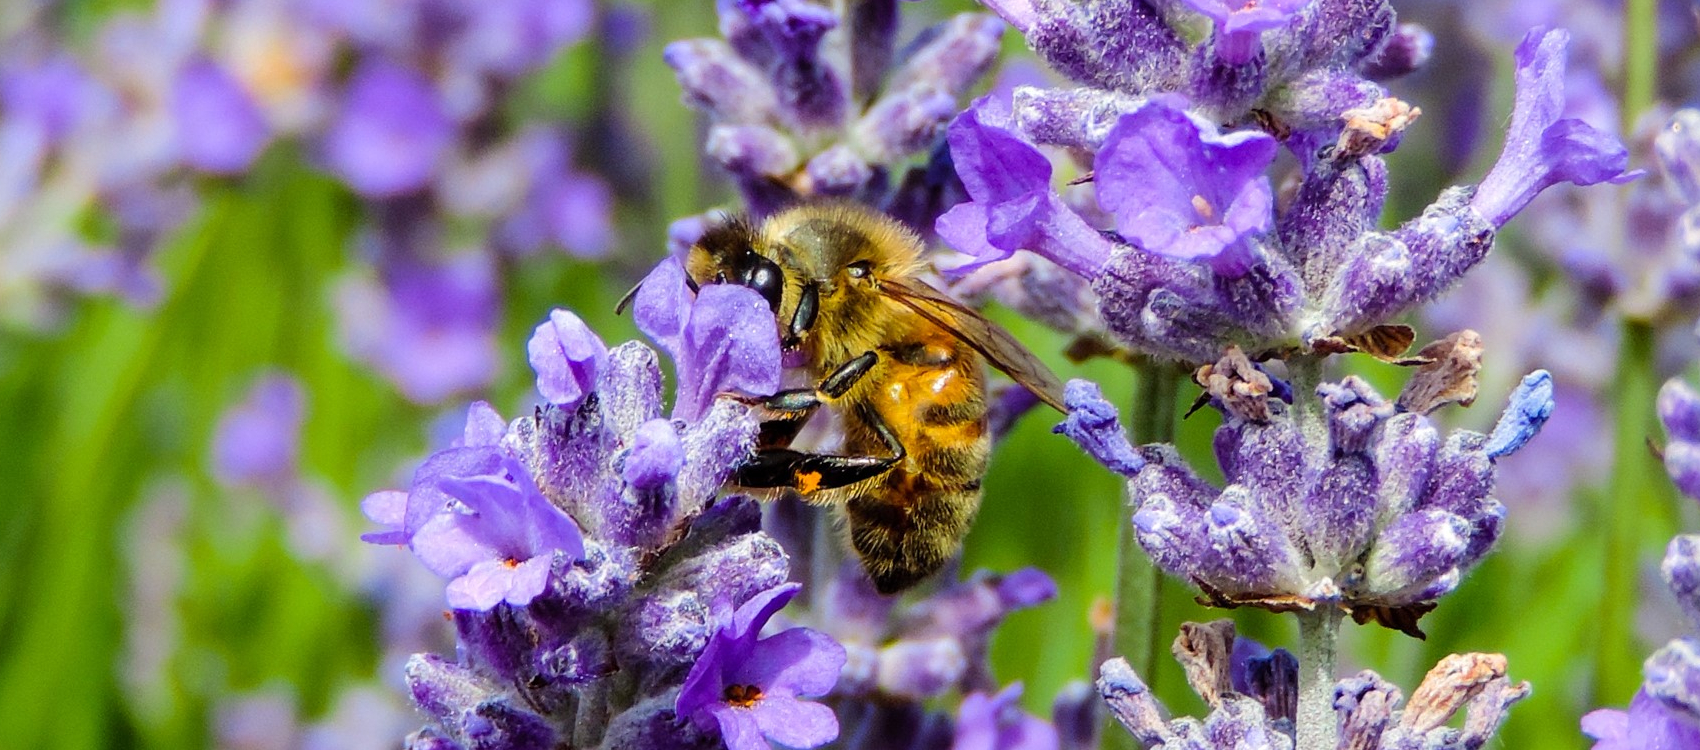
x: 901, y: 363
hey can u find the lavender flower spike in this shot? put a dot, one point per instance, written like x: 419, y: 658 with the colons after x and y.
x: 751, y: 689
x: 1542, y: 149
x: 1381, y: 521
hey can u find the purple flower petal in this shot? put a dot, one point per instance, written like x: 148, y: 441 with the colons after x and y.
x: 1530, y: 406
x: 256, y: 441
x: 1094, y: 424
x: 219, y: 126
x: 392, y: 132
x: 794, y: 723
x: 567, y: 356
x: 1013, y: 205
x: 729, y: 344
x: 1542, y: 150
x: 484, y: 426
x: 795, y: 662
x: 657, y: 455
x: 388, y: 509
x: 739, y: 728
x: 1178, y: 187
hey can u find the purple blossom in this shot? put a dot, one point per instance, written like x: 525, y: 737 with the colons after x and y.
x: 1179, y: 187
x: 1240, y: 26
x: 257, y: 441
x: 1647, y: 725
x: 1093, y: 424
x: 752, y: 690
x: 391, y: 133
x: 567, y: 356
x: 1012, y: 206
x: 428, y: 327
x: 996, y: 722
x: 723, y: 338
x: 220, y: 127
x: 1542, y: 148
x: 497, y: 540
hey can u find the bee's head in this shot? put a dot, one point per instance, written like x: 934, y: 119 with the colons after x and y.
x: 726, y: 254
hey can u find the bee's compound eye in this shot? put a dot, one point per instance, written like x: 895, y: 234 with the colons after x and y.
x: 764, y: 277
x: 860, y: 269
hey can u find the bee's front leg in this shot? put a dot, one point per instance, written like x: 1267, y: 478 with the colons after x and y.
x: 784, y: 413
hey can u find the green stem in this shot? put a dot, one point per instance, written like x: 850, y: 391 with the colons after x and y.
x: 1304, y: 374
x: 1640, y: 59
x: 1139, y: 584
x: 1319, y: 634
x: 1624, y: 509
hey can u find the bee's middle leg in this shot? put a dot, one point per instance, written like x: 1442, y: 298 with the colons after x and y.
x: 775, y: 465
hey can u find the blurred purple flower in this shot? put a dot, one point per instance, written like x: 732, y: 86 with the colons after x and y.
x: 219, y: 127
x: 752, y: 689
x: 1179, y: 187
x: 257, y: 441
x: 996, y: 722
x: 1647, y: 725
x: 427, y: 327
x: 498, y: 542
x: 391, y: 133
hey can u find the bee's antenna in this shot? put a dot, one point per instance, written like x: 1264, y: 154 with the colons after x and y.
x: 626, y: 301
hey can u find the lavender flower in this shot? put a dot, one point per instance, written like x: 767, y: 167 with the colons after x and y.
x: 603, y: 593
x: 1380, y: 520
x: 790, y: 119
x: 1199, y: 257
x: 748, y: 689
x: 996, y: 722
x: 416, y: 120
x: 1256, y: 711
x: 392, y: 133
x: 256, y: 442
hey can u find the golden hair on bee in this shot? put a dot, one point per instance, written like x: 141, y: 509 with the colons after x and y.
x: 901, y: 363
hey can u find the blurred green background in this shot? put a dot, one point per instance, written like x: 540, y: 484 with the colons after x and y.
x: 119, y: 405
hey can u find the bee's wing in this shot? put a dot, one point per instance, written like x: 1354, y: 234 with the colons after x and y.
x: 986, y: 337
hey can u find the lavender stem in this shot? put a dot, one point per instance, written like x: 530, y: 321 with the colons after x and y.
x: 1319, y: 634
x: 1139, y: 584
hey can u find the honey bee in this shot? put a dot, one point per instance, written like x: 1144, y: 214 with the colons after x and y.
x: 899, y: 361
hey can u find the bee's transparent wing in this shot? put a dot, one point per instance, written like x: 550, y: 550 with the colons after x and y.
x: 988, y: 338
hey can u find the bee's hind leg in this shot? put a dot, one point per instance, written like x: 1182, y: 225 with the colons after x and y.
x: 811, y: 472
x: 775, y: 465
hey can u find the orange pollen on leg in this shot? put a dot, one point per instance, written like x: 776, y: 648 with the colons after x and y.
x: 808, y: 481
x: 742, y: 696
